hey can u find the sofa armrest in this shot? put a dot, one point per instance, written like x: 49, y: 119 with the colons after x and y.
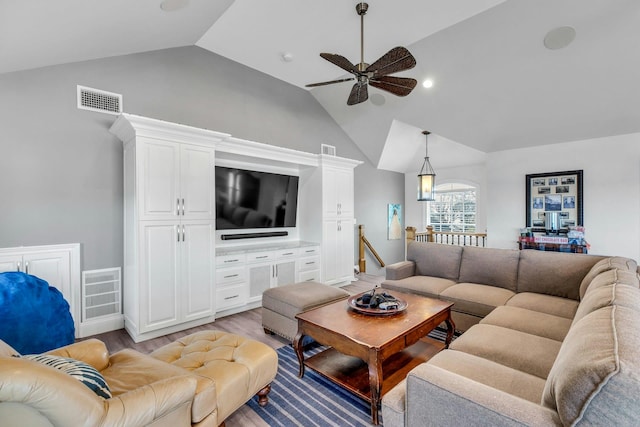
x: 149, y: 403
x: 92, y: 351
x: 439, y: 397
x: 400, y: 270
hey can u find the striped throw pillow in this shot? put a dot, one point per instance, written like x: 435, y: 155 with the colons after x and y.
x: 81, y: 371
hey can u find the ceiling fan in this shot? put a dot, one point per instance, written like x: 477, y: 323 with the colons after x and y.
x: 377, y: 74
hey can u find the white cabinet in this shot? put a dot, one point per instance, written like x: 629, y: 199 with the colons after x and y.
x: 337, y: 192
x: 176, y: 181
x: 58, y: 265
x: 169, y: 226
x: 337, y: 266
x: 243, y: 274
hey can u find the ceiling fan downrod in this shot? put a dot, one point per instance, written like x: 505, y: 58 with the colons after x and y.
x: 362, y: 8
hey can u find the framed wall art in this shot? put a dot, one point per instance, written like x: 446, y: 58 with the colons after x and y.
x: 559, y: 192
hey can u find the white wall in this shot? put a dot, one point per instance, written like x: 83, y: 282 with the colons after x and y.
x: 611, y: 183
x: 611, y: 190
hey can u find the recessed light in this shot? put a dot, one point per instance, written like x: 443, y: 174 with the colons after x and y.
x: 287, y: 57
x: 427, y: 83
x: 172, y: 5
x: 377, y: 99
x: 559, y: 37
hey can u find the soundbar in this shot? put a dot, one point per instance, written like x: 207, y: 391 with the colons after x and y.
x: 253, y: 235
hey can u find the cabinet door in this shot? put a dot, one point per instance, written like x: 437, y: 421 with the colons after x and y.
x: 197, y: 255
x: 285, y: 273
x: 337, y: 192
x: 10, y: 263
x: 337, y: 251
x: 158, y: 177
x: 53, y: 267
x: 159, y: 280
x: 197, y: 182
x: 259, y: 280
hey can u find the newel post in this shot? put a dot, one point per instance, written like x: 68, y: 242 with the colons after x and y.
x: 430, y: 233
x: 362, y: 263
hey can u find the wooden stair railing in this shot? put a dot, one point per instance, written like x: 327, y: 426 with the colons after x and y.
x: 446, y: 237
x: 363, y: 241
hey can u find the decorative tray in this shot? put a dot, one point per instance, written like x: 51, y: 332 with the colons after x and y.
x: 354, y: 302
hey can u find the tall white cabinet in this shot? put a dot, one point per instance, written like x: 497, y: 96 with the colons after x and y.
x: 169, y: 226
x: 329, y: 219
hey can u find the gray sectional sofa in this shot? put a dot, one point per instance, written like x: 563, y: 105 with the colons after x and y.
x: 549, y: 339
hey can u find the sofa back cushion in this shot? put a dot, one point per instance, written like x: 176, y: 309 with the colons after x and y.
x: 609, y: 287
x: 435, y: 259
x: 487, y: 266
x: 606, y: 264
x: 553, y: 273
x: 594, y: 380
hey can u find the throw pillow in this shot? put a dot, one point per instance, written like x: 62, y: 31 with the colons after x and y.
x: 81, y: 371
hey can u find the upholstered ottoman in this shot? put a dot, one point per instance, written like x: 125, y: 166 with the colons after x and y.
x: 231, y: 370
x: 280, y: 305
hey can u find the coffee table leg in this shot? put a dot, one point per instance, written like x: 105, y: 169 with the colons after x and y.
x: 451, y: 327
x: 375, y: 383
x: 297, y: 346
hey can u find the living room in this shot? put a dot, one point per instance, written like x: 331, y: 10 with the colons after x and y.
x: 62, y: 169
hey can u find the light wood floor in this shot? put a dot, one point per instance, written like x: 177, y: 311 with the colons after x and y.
x: 248, y: 324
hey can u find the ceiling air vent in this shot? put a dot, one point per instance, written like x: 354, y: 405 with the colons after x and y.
x: 99, y: 100
x: 328, y: 149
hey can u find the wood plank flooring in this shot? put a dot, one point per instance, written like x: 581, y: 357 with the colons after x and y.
x: 248, y: 324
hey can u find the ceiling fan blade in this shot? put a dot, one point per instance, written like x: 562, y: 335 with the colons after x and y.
x: 329, y: 82
x: 340, y: 61
x: 396, y: 60
x: 359, y: 93
x: 400, y: 86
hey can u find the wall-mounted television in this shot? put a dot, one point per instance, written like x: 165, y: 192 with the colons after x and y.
x: 253, y: 199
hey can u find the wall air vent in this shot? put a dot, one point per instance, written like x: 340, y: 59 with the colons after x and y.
x: 99, y: 100
x: 328, y: 149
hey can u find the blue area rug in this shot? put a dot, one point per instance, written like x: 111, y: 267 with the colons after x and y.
x: 313, y: 400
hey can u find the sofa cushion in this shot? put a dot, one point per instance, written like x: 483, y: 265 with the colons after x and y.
x: 495, y: 267
x: 556, y: 306
x: 610, y: 287
x: 553, y: 273
x: 421, y: 285
x: 606, y: 264
x: 595, y: 378
x: 79, y: 370
x: 529, y: 321
x: 501, y: 377
x: 518, y: 350
x: 435, y: 259
x: 476, y: 299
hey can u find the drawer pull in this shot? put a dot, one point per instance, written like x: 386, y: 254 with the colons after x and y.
x: 310, y: 251
x: 263, y: 256
x: 228, y: 298
x: 231, y: 260
x: 310, y: 263
x: 287, y: 254
x: 230, y: 276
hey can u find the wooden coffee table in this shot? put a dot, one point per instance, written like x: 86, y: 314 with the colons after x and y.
x: 370, y: 354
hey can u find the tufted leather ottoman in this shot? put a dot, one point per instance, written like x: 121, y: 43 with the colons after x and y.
x: 231, y: 370
x: 280, y: 305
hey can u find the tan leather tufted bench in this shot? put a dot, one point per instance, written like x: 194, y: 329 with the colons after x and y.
x: 231, y: 369
x: 280, y: 305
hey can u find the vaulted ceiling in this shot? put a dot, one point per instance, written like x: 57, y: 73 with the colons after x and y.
x: 496, y: 85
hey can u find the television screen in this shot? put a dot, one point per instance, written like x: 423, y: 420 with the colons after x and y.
x: 252, y: 199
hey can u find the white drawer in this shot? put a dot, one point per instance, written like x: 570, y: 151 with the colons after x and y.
x: 260, y: 256
x: 287, y: 253
x: 231, y: 296
x: 230, y: 275
x: 309, y: 276
x: 229, y: 260
x: 309, y: 263
x: 309, y: 251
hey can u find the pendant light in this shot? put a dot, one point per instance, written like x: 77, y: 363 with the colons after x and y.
x: 427, y: 176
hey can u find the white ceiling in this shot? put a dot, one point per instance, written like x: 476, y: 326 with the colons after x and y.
x: 496, y: 86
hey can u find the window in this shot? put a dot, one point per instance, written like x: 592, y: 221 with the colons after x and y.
x: 454, y: 209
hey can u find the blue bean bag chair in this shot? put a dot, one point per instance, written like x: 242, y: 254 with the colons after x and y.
x: 34, y: 317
